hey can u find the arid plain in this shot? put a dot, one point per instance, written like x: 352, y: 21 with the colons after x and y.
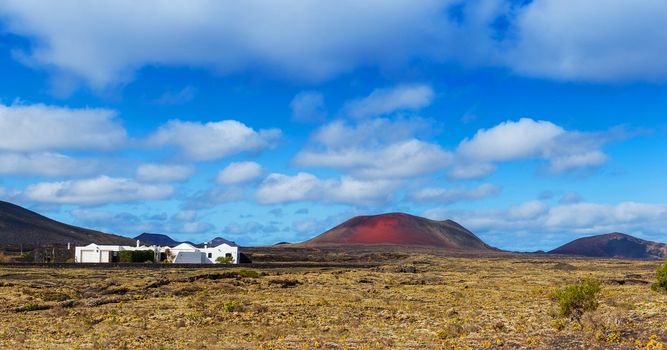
x: 404, y: 301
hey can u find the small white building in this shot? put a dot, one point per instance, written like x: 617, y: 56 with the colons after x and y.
x: 183, y: 253
x: 97, y: 253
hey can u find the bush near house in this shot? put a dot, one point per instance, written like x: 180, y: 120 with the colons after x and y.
x: 136, y: 256
x: 575, y: 299
x: 661, y: 276
x: 224, y: 260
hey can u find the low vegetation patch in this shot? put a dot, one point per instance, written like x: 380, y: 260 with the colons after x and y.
x: 575, y: 299
x: 224, y: 260
x: 136, y: 256
x: 249, y: 273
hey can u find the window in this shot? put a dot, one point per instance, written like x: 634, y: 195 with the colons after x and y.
x: 229, y: 255
x: 210, y: 255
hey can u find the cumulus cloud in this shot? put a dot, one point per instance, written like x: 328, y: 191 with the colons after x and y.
x: 212, y: 140
x: 239, y: 172
x: 214, y: 196
x: 47, y: 164
x: 570, y: 197
x: 250, y: 228
x: 308, y: 107
x: 539, y: 224
x: 132, y: 225
x: 554, y: 40
x: 170, y: 98
x: 280, y: 188
x: 388, y: 100
x: 29, y: 128
x: 453, y: 195
x: 99, y: 190
x: 113, y: 40
x: 544, y: 38
x: 377, y: 148
x: 529, y: 139
x: 163, y: 172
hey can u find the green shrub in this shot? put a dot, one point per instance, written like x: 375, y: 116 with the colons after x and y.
x: 233, y: 306
x: 224, y: 260
x: 30, y: 307
x: 575, y: 299
x: 136, y: 256
x: 249, y: 273
x: 661, y: 276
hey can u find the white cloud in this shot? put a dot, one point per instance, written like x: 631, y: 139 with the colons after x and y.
x: 462, y: 171
x: 239, y: 172
x: 170, y: 98
x: 47, y: 164
x: 99, y: 190
x: 511, y: 140
x: 308, y: 106
x: 250, y: 228
x: 163, y: 172
x: 280, y: 188
x: 385, y: 101
x: 186, y: 215
x: 132, y: 225
x: 214, y: 196
x: 544, y: 38
x: 213, y: 140
x: 570, y: 197
x: 114, y: 39
x: 534, y: 224
x: 529, y: 139
x: 46, y: 128
x: 554, y: 39
x: 575, y: 161
x: 528, y: 210
x: 453, y: 195
x: 377, y: 148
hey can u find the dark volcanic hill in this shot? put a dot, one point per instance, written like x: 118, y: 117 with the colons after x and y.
x: 20, y: 226
x: 219, y: 240
x: 400, y: 229
x: 613, y: 245
x: 156, y: 239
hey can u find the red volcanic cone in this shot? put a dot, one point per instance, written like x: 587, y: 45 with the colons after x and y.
x: 400, y: 229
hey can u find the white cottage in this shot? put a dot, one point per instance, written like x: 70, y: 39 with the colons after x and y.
x: 97, y: 253
x: 183, y: 253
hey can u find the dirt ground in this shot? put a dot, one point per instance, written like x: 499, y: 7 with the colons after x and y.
x: 410, y: 302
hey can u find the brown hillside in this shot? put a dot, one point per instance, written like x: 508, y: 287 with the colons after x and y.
x: 20, y: 226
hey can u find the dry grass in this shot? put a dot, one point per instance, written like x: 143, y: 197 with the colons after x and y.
x: 466, y: 303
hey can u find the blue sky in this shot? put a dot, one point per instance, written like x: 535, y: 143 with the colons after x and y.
x: 530, y: 123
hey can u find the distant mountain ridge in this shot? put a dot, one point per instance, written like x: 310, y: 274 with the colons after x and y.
x: 400, y: 229
x: 156, y: 239
x: 613, y: 245
x: 164, y: 240
x: 20, y: 227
